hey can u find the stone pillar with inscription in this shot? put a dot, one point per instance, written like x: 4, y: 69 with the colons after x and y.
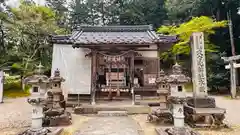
x: 209, y: 114
x: 199, y: 76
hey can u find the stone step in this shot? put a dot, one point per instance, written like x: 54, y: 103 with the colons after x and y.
x: 75, y: 98
x: 112, y: 113
x: 94, y: 109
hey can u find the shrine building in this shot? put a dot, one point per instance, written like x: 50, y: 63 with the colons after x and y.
x: 109, y: 61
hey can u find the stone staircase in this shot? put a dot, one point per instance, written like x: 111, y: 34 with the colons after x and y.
x: 74, y: 100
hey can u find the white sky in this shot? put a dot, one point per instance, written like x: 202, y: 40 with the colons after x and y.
x: 15, y: 3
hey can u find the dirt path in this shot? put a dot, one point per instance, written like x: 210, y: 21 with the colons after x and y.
x: 232, y: 107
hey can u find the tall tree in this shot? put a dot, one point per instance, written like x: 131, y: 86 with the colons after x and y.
x: 28, y: 34
x: 61, y: 10
x: 185, y: 30
x: 124, y: 12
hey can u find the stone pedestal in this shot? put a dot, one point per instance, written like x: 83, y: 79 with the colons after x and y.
x: 203, y: 112
x: 201, y: 102
x: 178, y: 116
x: 37, y: 117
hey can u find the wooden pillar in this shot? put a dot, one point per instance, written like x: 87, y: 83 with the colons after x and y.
x: 158, y: 61
x: 233, y: 79
x: 132, y: 77
x: 94, y: 77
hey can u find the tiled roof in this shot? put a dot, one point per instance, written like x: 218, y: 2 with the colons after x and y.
x: 64, y: 39
x: 92, y: 35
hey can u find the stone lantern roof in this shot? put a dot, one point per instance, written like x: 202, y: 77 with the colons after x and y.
x: 162, y: 78
x: 38, y: 77
x: 177, y: 77
x: 56, y: 78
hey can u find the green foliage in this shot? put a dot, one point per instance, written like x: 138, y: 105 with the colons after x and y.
x: 16, y: 94
x: 26, y: 34
x: 12, y: 83
x: 185, y: 30
x: 218, y: 76
x: 124, y: 12
x: 13, y: 88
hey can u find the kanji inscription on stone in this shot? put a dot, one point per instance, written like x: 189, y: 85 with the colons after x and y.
x: 198, y: 64
x: 180, y: 110
x: 35, y: 111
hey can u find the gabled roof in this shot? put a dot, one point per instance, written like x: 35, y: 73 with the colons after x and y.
x: 100, y: 35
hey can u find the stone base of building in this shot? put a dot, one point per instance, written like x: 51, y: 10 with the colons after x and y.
x: 176, y: 131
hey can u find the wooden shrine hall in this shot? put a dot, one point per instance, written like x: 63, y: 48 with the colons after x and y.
x: 124, y: 59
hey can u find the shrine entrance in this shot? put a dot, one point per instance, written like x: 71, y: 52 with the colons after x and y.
x: 114, y: 74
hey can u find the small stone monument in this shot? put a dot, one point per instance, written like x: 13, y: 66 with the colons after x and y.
x: 38, y: 84
x: 176, y: 99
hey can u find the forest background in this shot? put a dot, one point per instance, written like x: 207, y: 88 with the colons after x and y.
x: 26, y: 29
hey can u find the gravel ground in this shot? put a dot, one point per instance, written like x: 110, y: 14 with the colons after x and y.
x: 15, y: 115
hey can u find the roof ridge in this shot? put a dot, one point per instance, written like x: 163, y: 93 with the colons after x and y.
x: 115, y: 28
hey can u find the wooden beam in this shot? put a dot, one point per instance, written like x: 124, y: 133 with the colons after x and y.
x: 232, y: 58
x: 129, y: 49
x: 111, y: 45
x: 235, y: 65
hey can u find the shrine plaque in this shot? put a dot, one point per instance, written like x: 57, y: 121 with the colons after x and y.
x: 199, y: 76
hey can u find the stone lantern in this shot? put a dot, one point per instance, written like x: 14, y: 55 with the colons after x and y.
x: 56, y: 114
x: 178, y: 96
x: 177, y: 99
x: 163, y: 89
x: 39, y: 83
x: 177, y: 80
x: 56, y: 90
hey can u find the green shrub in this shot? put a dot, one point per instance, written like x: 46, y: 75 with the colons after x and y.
x: 12, y: 83
x: 15, y: 94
